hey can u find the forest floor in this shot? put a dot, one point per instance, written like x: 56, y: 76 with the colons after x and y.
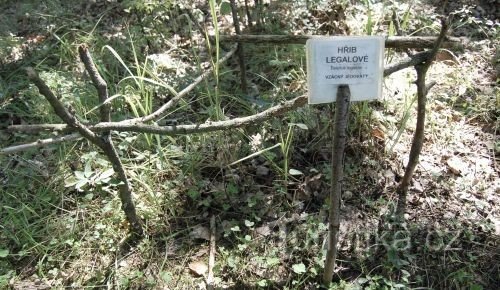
x: 61, y: 225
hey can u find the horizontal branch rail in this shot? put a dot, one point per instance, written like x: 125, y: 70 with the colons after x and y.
x: 398, y: 42
x: 35, y: 128
x: 165, y: 130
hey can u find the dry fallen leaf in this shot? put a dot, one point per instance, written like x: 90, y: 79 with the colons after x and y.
x: 263, y: 230
x: 377, y: 133
x: 198, y: 267
x: 446, y: 57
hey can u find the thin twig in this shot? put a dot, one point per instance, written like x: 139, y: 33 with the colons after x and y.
x: 163, y: 110
x: 407, y: 62
x: 106, y: 144
x: 392, y: 68
x: 103, y: 142
x: 40, y: 143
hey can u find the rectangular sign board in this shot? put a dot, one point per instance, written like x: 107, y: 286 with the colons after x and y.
x: 357, y: 61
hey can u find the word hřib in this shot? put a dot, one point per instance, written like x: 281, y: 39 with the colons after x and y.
x: 353, y: 76
x: 347, y: 58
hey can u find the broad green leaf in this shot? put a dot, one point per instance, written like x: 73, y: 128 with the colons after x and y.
x: 88, y: 170
x: 107, y: 173
x: 299, y: 268
x: 80, y: 175
x: 4, y: 253
x: 81, y: 184
x: 225, y: 8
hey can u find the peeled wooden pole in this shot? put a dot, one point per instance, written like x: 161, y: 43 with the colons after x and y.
x: 339, y: 140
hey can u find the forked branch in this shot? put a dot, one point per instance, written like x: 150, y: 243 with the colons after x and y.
x: 418, y: 136
x: 103, y: 141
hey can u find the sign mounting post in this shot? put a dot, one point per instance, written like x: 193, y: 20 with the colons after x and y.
x: 342, y: 69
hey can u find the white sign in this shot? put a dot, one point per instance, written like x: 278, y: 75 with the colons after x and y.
x: 356, y: 61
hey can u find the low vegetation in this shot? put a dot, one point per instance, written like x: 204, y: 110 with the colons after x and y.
x: 61, y: 223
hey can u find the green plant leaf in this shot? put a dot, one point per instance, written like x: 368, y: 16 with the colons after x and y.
x: 193, y: 194
x: 299, y: 268
x: 225, y: 8
x: 272, y: 261
x: 4, y: 253
x: 300, y: 125
x: 88, y: 170
x: 295, y: 172
x: 80, y: 175
x: 166, y: 276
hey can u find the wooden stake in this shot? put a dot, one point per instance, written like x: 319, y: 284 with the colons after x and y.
x: 239, y: 52
x: 339, y: 140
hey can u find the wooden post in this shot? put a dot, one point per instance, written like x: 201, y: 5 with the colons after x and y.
x: 239, y: 52
x: 338, y: 147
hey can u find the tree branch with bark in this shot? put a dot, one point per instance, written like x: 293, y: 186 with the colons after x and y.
x: 396, y: 42
x: 418, y: 136
x: 136, y: 124
x: 103, y: 141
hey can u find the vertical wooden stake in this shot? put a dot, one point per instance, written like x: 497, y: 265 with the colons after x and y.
x: 339, y: 140
x: 239, y: 52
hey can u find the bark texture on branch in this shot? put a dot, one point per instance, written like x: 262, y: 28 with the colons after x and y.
x: 398, y: 42
x: 106, y: 144
x: 392, y: 68
x: 98, y: 81
x: 40, y: 143
x: 102, y: 141
x: 338, y: 148
x: 412, y: 60
x: 179, y: 129
x: 207, y: 126
x: 418, y: 136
